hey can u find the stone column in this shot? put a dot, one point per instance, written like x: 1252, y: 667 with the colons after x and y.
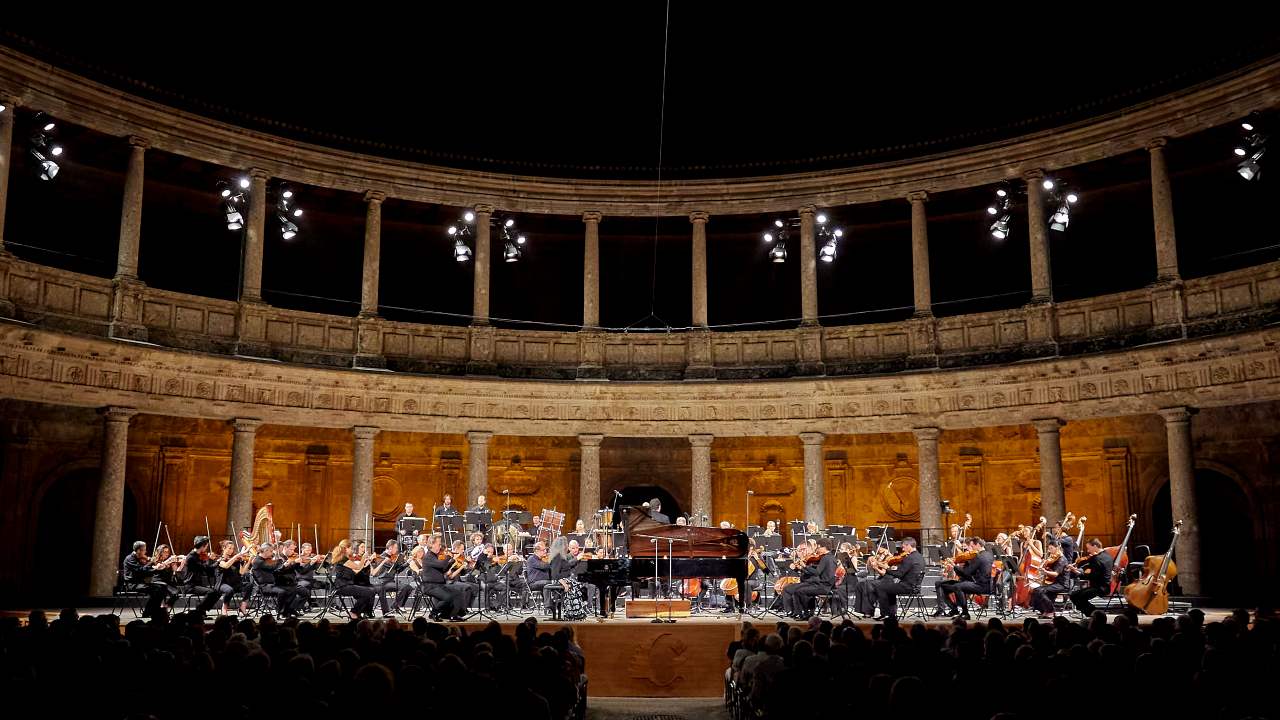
x: 920, y: 254
x: 591, y: 272
x: 699, y: 220
x: 1182, y: 496
x: 240, y: 489
x: 110, y: 506
x: 1162, y: 215
x: 372, y: 253
x: 477, y: 465
x: 1053, y: 493
x: 931, y: 530
x: 815, y: 486
x: 701, y: 494
x: 254, y: 229
x: 1041, y: 275
x: 6, y: 155
x: 361, y: 518
x: 808, y: 268
x: 480, y: 288
x: 131, y: 211
x: 589, y: 479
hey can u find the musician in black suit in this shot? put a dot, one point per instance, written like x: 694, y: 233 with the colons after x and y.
x: 137, y: 570
x: 1096, y: 571
x: 453, y: 598
x: 816, y: 579
x: 201, y: 567
x: 1060, y: 537
x: 1055, y: 581
x: 901, y: 580
x: 655, y: 507
x: 974, y: 579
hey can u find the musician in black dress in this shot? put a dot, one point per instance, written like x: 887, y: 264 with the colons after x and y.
x: 230, y: 580
x: 1095, y: 571
x: 1055, y: 581
x: 137, y: 570
x: 347, y: 566
x: 755, y: 578
x: 382, y: 578
x: 817, y: 578
x: 901, y: 580
x: 974, y: 579
x: 201, y: 569
x: 274, y: 576
x: 847, y: 558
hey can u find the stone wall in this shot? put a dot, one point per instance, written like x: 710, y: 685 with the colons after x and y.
x: 178, y: 472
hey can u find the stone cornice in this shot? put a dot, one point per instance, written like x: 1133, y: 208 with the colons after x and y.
x: 54, y: 367
x: 81, y: 101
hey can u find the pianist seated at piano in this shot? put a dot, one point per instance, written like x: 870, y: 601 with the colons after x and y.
x: 655, y: 511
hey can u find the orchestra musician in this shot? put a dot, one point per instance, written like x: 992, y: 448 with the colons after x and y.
x: 347, y: 564
x: 382, y: 578
x: 755, y: 578
x: 477, y: 547
x: 537, y: 568
x: 201, y: 567
x: 482, y: 507
x: 1003, y: 580
x: 846, y: 583
x: 655, y: 511
x: 139, y: 570
x: 770, y: 529
x: 229, y: 576
x: 681, y: 521
x: 974, y: 578
x: 817, y: 578
x: 271, y: 576
x: 305, y: 569
x: 1058, y: 535
x: 901, y: 580
x: 1095, y: 569
x: 560, y: 566
x: 1055, y: 577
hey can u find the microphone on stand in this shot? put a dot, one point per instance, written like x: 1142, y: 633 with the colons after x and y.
x: 615, y: 492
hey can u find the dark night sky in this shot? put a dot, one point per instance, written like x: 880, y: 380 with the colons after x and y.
x: 585, y: 92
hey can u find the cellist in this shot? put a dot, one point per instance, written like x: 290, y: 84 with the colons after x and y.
x: 1095, y: 570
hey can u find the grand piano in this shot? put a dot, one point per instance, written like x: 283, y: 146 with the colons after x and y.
x: 683, y: 552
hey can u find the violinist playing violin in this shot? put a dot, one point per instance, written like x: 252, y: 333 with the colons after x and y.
x: 201, y: 568
x: 973, y: 568
x: 138, y: 570
x: 1055, y: 579
x: 901, y: 580
x: 1095, y: 570
x: 817, y: 578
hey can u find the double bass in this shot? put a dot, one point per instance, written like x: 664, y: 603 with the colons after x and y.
x: 1120, y: 555
x: 1150, y: 593
x: 1028, y: 578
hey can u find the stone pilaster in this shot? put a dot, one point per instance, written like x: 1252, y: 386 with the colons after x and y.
x: 480, y: 288
x: 700, y: 363
x: 931, y: 530
x: 109, y: 510
x: 1038, y: 233
x: 589, y: 476
x: 372, y: 253
x: 480, y: 358
x: 1053, y: 493
x: 920, y: 254
x: 699, y: 220
x: 701, y: 476
x: 815, y: 486
x: 126, y: 309
x: 240, y: 489
x: 591, y: 355
x: 477, y: 465
x: 254, y: 237
x: 591, y: 271
x: 1162, y: 214
x: 808, y: 268
x: 6, y: 157
x: 1182, y: 497
x: 360, y: 519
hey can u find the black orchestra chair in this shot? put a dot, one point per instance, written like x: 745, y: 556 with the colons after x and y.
x: 420, y: 599
x: 126, y: 594
x: 911, y: 605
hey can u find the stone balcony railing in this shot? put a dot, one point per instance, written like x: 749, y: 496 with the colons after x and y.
x: 58, y: 299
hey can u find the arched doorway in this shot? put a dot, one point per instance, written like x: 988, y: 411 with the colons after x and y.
x: 64, y: 524
x: 640, y: 494
x: 1226, y: 523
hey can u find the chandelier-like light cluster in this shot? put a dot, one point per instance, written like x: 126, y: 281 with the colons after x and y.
x: 1058, y: 196
x: 776, y: 238
x: 43, y: 146
x: 1251, y: 146
x: 513, y: 239
x: 235, y: 194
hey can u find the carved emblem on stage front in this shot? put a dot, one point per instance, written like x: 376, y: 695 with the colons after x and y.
x: 659, y: 661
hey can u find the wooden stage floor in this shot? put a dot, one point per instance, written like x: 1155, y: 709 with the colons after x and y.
x: 639, y: 658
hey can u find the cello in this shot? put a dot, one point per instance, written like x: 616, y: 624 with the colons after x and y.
x: 1120, y: 555
x: 1150, y: 593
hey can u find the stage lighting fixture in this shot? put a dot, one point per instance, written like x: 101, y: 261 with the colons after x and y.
x: 287, y: 229
x: 469, y: 216
x: 1251, y: 146
x: 511, y: 253
x: 1000, y: 228
x: 461, y: 251
x: 1000, y: 210
x: 827, y: 253
x: 235, y: 220
x: 1060, y: 219
x: 779, y: 252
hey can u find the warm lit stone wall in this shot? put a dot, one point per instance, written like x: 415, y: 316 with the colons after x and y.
x: 178, y: 471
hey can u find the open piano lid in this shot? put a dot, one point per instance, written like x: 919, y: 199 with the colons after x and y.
x: 690, y: 542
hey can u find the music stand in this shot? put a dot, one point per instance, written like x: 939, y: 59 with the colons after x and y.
x: 410, y: 526
x: 798, y: 532
x: 770, y: 543
x: 753, y: 530
x: 450, y: 525
x: 479, y: 519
